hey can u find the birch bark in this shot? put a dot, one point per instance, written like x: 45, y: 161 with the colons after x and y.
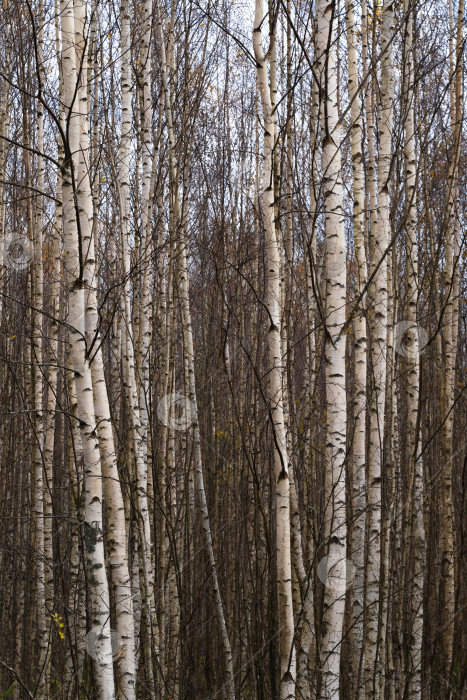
x: 416, y: 523
x: 116, y: 536
x: 335, y: 284
x: 93, y: 525
x: 275, y: 390
x: 359, y: 398
x: 378, y: 311
x: 37, y: 381
x: 138, y: 430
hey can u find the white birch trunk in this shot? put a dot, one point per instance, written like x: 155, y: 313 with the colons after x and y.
x: 98, y: 585
x: 148, y: 166
x: 77, y: 594
x: 139, y: 432
x: 359, y: 398
x: 116, y: 535
x: 335, y: 268
x: 416, y: 522
x: 378, y: 303
x: 274, y: 389
x: 37, y: 381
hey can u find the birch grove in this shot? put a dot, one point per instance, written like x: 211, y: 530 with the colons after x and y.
x: 233, y: 349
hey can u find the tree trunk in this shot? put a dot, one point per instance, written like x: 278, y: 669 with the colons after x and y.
x: 274, y: 389
x: 380, y: 236
x: 99, y: 640
x: 359, y: 397
x: 334, y: 566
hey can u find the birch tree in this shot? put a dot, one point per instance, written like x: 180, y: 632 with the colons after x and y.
x: 275, y: 395
x: 359, y: 401
x: 335, y: 291
x: 233, y: 348
x: 414, y: 348
x: 380, y: 236
x: 74, y: 243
